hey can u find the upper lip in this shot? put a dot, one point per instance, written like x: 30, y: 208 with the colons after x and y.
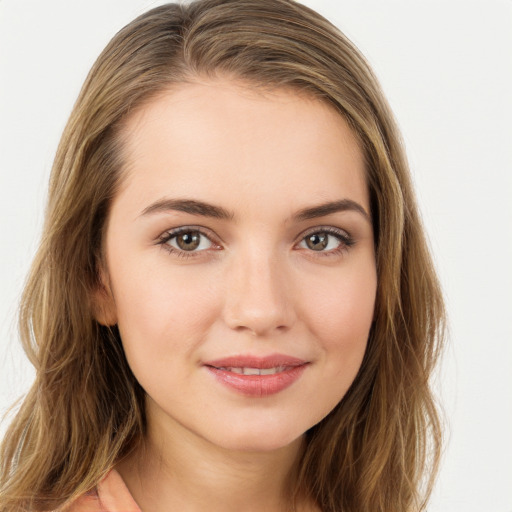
x: 250, y: 361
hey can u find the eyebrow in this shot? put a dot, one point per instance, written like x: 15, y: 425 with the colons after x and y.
x: 325, y: 209
x: 188, y: 206
x: 203, y: 209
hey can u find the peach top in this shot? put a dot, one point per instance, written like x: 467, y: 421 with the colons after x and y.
x: 110, y: 495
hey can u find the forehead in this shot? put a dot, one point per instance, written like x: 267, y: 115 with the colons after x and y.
x: 222, y: 140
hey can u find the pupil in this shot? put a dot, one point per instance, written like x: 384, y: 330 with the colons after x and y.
x: 317, y: 242
x: 188, y: 241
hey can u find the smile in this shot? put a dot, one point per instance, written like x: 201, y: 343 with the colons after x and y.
x: 257, y: 376
x: 255, y: 371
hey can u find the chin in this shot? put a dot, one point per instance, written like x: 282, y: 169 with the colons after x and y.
x: 259, y: 445
x: 267, y: 438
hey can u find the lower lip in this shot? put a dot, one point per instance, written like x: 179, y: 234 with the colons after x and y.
x: 258, y: 385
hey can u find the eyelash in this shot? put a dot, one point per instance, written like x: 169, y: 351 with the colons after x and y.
x: 169, y: 235
x: 346, y: 241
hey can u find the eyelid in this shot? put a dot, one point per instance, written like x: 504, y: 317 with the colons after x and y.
x: 325, y: 229
x: 331, y: 230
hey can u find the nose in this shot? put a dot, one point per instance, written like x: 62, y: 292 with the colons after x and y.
x: 259, y: 298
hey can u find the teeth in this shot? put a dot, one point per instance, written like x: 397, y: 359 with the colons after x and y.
x: 252, y: 371
x: 255, y: 371
x: 270, y: 371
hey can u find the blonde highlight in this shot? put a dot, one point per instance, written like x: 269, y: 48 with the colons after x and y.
x: 379, y: 449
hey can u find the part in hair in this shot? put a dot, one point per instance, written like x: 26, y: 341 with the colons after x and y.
x: 378, y: 450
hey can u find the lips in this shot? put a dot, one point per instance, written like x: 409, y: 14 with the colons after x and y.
x: 255, y: 371
x: 257, y: 376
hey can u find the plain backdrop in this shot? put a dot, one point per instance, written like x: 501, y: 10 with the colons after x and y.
x: 446, y: 68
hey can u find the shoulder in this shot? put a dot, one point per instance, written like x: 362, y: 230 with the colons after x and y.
x: 89, y: 502
x: 110, y: 495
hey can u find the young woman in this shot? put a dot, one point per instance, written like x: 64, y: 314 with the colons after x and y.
x: 233, y: 306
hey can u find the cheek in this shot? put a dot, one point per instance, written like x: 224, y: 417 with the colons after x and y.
x: 340, y: 317
x: 161, y: 313
x: 344, y: 306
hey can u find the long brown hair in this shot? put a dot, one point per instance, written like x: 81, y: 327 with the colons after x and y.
x: 379, y: 448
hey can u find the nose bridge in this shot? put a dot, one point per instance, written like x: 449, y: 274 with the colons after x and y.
x: 258, y: 292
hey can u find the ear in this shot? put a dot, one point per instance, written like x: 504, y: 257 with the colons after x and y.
x: 103, y: 304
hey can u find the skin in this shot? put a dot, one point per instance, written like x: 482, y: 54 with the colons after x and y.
x: 252, y: 286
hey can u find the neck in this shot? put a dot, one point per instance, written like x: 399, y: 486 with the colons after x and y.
x: 187, y: 472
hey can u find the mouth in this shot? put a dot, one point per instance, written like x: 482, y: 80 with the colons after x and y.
x: 254, y: 371
x: 257, y: 376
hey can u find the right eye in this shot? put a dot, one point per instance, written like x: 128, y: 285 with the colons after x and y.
x: 186, y: 241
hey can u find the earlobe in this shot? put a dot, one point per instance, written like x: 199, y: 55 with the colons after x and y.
x: 103, y: 303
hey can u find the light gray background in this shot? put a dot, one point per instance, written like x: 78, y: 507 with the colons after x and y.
x: 446, y: 67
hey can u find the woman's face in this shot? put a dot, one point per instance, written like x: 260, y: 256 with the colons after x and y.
x: 240, y: 261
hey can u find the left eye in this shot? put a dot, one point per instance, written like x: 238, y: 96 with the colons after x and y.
x: 321, y: 241
x: 189, y: 241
